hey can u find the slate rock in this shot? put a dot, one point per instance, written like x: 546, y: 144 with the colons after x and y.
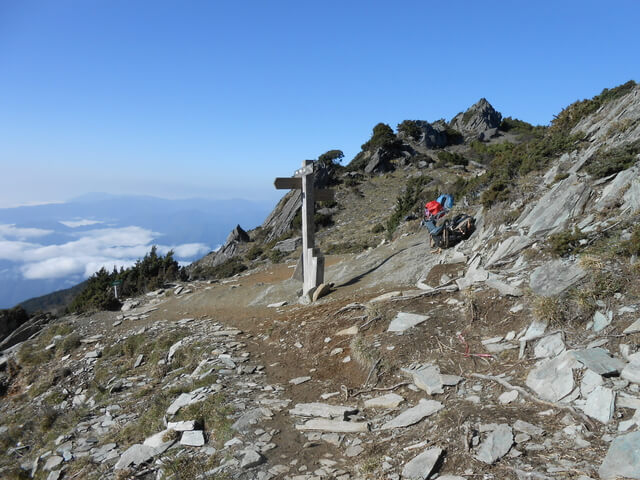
x: 322, y: 290
x: 323, y: 410
x: 549, y: 346
x: 390, y: 400
x: 496, y: 445
x: 420, y: 467
x: 251, y: 459
x: 413, y: 415
x: 299, y: 380
x: 601, y: 321
x: 136, y: 455
x: 600, y: 404
x: 631, y: 372
x: 633, y: 328
x: 336, y: 426
x: 623, y: 458
x: 52, y: 462
x: 554, y: 277
x: 590, y: 380
x: 192, y: 438
x: 427, y: 378
x: 403, y: 321
x: 508, y: 397
x: 244, y: 423
x: 526, y: 427
x: 599, y: 360
x: 552, y: 379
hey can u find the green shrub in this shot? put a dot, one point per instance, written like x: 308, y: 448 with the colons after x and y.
x: 231, y: 267
x: 411, y: 129
x: 566, y: 242
x: 614, y: 160
x: 570, y: 116
x: 447, y: 159
x: 276, y: 256
x: 409, y: 200
x: 377, y: 228
x: 632, y: 245
x: 254, y: 252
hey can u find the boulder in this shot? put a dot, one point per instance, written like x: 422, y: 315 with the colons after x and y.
x: 289, y: 245
x: 600, y: 404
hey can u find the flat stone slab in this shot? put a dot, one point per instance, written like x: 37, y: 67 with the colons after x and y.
x: 182, y: 426
x: 497, y: 444
x: 602, y: 321
x: 549, y: 346
x: 251, y: 459
x: 590, y: 380
x: 336, y: 426
x: 528, y: 428
x: 413, y: 415
x: 599, y: 360
x: 535, y: 330
x: 390, y: 400
x: 631, y: 372
x: 244, y: 423
x: 420, y: 467
x: 623, y: 458
x: 193, y: 438
x: 427, y: 378
x: 600, y: 404
x: 508, y: 397
x: 552, y: 379
x: 299, y: 380
x: 136, y: 455
x: 323, y: 410
x: 276, y: 305
x: 404, y: 321
x: 633, y: 328
x: 554, y: 277
x: 52, y: 462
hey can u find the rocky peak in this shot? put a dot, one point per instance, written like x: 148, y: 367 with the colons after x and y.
x: 479, y: 118
x: 238, y: 235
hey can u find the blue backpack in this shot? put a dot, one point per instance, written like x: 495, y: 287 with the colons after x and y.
x: 446, y: 201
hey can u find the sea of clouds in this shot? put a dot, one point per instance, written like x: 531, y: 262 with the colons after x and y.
x: 84, y: 252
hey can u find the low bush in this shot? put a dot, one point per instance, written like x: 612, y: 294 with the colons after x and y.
x: 565, y: 243
x: 612, y: 161
x: 410, y: 200
x: 231, y: 267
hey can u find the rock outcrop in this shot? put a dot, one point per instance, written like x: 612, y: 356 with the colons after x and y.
x: 480, y: 121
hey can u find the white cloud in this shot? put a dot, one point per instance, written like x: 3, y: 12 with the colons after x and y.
x: 92, y: 250
x: 79, y: 223
x: 11, y: 231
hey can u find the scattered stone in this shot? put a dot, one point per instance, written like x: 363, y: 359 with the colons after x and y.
x: 491, y: 340
x: 623, y: 458
x: 413, y: 415
x: 299, y: 380
x: 353, y: 451
x: 602, y: 321
x: 348, y: 331
x: 54, y: 475
x: 386, y: 296
x: 322, y: 290
x: 336, y: 351
x: 192, y: 438
x: 552, y: 379
x: 52, y: 462
x: 496, y: 445
x: 427, y: 378
x: 508, y: 397
x: 244, y: 423
x: 390, y: 400
x: 277, y: 304
x: 136, y: 455
x: 404, y: 321
x: 633, y: 328
x: 421, y: 466
x: 590, y: 380
x: 526, y: 427
x: 322, y: 410
x: 336, y: 426
x: 549, y: 346
x: 598, y: 360
x: 600, y: 404
x: 251, y: 459
x: 631, y: 372
x: 535, y: 330
x: 182, y: 426
x: 138, y: 361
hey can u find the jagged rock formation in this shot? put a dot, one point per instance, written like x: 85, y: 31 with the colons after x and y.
x: 481, y: 121
x: 225, y: 253
x: 433, y: 135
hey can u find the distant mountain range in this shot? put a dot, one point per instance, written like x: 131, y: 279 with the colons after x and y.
x: 55, y: 246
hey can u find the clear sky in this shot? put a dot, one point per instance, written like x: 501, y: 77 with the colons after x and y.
x: 215, y: 99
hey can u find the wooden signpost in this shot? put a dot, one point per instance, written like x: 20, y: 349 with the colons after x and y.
x: 312, y: 259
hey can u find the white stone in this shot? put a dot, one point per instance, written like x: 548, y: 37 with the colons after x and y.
x: 337, y: 426
x: 403, y: 321
x: 135, y: 454
x: 390, y: 400
x: 299, y: 380
x: 348, y: 331
x: 420, y: 467
x: 600, y: 404
x: 552, y: 379
x: 590, y: 380
x: 413, y: 415
x: 508, y: 397
x: 277, y: 304
x: 323, y: 410
x: 496, y: 445
x: 631, y: 372
x: 549, y: 346
x: 601, y: 321
x: 182, y: 426
x: 633, y: 328
x: 192, y: 438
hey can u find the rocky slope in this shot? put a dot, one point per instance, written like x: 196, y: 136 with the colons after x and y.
x: 513, y: 355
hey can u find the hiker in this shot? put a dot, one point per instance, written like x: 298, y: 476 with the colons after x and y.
x: 449, y: 232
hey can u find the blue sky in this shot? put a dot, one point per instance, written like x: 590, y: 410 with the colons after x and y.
x: 215, y: 99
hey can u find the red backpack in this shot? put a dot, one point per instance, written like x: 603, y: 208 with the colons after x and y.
x: 433, y: 207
